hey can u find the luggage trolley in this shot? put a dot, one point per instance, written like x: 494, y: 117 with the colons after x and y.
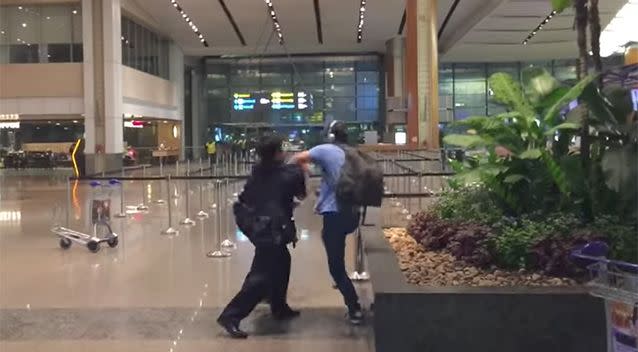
x: 617, y: 283
x: 100, y: 209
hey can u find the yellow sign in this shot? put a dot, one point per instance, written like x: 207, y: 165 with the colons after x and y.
x: 281, y: 95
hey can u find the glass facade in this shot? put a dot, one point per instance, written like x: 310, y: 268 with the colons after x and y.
x: 298, y: 90
x: 41, y: 33
x: 464, y: 91
x: 143, y: 49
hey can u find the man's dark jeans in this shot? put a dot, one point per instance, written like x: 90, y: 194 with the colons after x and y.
x: 336, y: 226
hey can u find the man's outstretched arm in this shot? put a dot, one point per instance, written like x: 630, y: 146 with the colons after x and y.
x: 302, y: 159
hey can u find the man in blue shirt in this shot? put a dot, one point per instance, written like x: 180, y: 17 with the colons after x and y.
x: 337, y: 223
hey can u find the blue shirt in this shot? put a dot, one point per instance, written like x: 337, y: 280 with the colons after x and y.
x: 330, y: 159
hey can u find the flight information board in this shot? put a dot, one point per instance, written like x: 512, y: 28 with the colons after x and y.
x: 272, y: 101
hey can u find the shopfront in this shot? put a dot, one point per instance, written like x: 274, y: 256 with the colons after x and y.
x: 27, y: 142
x: 144, y: 137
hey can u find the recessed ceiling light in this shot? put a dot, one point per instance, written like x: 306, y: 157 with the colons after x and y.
x: 275, y: 20
x: 24, y: 25
x: 190, y: 22
x: 538, y: 28
x: 362, y: 10
x: 75, y: 12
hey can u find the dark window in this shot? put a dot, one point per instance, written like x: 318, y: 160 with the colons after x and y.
x: 24, y: 54
x: 59, y: 52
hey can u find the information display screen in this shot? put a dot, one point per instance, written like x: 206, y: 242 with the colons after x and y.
x: 272, y: 101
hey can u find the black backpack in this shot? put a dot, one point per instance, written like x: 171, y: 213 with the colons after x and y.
x: 360, y: 183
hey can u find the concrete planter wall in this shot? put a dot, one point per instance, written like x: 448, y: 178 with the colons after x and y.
x: 410, y: 318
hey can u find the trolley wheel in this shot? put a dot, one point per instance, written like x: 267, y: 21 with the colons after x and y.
x: 112, y: 242
x: 65, y: 243
x: 93, y: 246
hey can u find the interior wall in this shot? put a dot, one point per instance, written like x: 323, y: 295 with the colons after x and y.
x: 35, y: 2
x: 41, y: 80
x: 140, y: 86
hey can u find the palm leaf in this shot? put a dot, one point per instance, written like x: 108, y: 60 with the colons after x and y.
x: 573, y: 94
x: 465, y: 140
x: 561, y: 5
x: 558, y: 176
x: 508, y: 92
x: 563, y: 126
x: 538, y: 83
x: 531, y: 154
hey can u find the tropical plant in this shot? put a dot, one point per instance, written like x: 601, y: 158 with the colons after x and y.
x: 614, y: 173
x: 584, y: 16
x: 517, y: 166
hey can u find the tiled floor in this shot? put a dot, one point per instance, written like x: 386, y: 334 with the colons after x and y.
x: 153, y: 292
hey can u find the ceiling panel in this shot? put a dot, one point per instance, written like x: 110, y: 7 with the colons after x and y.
x: 498, y: 36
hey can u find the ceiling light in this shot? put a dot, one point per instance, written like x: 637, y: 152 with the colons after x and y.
x: 539, y: 27
x: 75, y: 12
x: 24, y: 25
x: 620, y: 31
x: 275, y: 21
x: 190, y: 22
x: 362, y: 10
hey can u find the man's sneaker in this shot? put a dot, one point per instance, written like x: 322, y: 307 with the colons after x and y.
x: 355, y: 317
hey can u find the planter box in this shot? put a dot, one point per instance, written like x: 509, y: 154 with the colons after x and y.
x: 449, y: 319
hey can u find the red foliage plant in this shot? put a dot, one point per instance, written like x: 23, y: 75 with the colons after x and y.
x: 465, y: 241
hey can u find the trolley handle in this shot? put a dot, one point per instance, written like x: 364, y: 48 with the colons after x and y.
x: 595, y: 253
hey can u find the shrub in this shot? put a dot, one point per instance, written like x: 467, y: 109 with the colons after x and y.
x: 465, y: 241
x: 622, y: 237
x: 473, y: 204
x: 552, y: 254
x: 514, y: 242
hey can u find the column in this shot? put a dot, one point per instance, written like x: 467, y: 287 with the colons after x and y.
x: 103, y: 123
x: 421, y: 70
x: 176, y: 74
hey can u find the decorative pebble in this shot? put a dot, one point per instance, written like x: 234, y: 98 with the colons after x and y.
x: 427, y: 268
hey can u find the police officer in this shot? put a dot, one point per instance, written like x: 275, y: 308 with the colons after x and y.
x: 270, y: 190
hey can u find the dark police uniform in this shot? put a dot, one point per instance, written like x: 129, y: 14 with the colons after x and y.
x: 275, y: 185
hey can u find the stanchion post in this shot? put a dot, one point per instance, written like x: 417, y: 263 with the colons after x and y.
x: 142, y: 206
x: 187, y: 221
x: 420, y: 183
x: 227, y: 243
x: 170, y: 230
x: 177, y: 168
x: 188, y: 167
x: 360, y: 273
x: 161, y: 162
x: 201, y: 214
x: 122, y: 213
x: 68, y: 202
x: 217, y: 252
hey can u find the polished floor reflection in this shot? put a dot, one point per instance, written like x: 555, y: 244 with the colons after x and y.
x: 153, y: 292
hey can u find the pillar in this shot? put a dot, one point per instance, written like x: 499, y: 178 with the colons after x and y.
x: 421, y: 69
x: 102, y: 48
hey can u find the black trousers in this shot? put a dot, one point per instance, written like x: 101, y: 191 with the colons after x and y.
x: 268, y: 278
